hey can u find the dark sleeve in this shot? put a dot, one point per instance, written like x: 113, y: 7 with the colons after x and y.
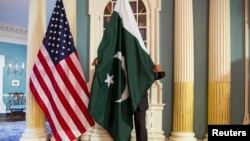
x: 160, y: 75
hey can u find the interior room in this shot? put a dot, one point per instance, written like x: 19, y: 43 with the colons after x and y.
x: 203, y: 46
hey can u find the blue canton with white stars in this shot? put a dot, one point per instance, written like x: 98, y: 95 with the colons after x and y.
x: 58, y: 39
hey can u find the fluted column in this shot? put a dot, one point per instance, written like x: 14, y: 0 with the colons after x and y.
x: 184, y: 72
x: 219, y: 62
x: 70, y: 9
x: 35, y: 120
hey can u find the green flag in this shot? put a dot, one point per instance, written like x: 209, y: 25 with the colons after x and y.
x: 123, y: 74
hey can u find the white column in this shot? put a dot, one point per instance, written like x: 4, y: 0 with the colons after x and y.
x: 2, y: 105
x: 183, y: 113
x: 70, y: 9
x: 35, y: 120
x: 219, y: 77
x: 219, y: 63
x: 154, y: 118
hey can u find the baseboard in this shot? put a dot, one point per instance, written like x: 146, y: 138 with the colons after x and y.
x: 2, y: 115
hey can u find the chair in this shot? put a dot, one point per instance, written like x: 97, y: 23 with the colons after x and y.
x: 17, y: 104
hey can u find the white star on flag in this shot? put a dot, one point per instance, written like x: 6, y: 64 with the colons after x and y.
x: 109, y: 80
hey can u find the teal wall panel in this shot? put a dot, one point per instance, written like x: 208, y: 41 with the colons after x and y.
x: 13, y: 52
x: 166, y: 60
x: 82, y: 44
x: 200, y: 13
x: 237, y: 60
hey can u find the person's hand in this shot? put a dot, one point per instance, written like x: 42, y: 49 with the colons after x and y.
x: 95, y: 62
x: 157, y: 68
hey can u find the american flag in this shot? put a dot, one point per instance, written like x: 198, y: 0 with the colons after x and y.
x: 57, y: 81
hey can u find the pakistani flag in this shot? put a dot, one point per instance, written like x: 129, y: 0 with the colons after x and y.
x: 123, y: 76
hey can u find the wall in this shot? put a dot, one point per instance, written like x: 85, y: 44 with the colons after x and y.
x: 201, y: 67
x: 237, y: 61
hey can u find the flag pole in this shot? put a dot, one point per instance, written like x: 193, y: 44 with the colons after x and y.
x: 246, y: 114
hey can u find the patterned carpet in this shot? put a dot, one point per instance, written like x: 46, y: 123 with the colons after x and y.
x: 12, y: 131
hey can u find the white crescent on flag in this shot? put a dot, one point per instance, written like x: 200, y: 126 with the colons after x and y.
x: 125, y: 94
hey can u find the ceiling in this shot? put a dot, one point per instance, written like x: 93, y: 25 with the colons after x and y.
x: 15, y: 12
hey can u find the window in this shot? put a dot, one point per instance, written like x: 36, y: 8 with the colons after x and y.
x: 139, y: 11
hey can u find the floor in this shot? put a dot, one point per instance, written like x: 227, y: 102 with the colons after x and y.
x: 11, y: 129
x: 6, y: 118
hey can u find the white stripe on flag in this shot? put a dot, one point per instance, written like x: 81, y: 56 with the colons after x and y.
x: 55, y: 97
x: 79, y: 90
